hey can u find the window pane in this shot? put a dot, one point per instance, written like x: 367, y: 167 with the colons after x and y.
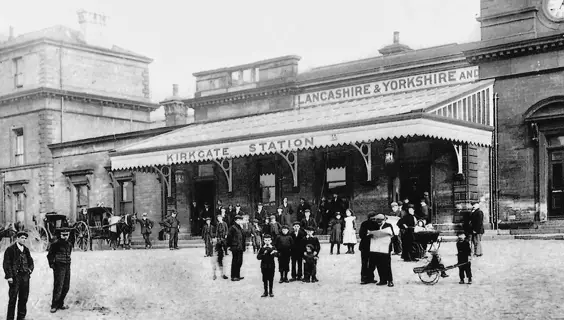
x: 555, y: 142
x: 20, y: 201
x: 127, y: 191
x: 557, y: 175
x: 126, y: 208
x: 267, y: 180
x: 268, y: 188
x: 247, y: 75
x: 82, y: 195
x: 205, y: 170
x: 336, y: 175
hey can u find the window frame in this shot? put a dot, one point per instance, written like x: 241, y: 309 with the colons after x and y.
x: 18, y: 155
x: 18, y: 74
x: 123, y: 203
x: 270, y: 187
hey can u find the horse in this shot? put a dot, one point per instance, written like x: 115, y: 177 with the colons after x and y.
x: 122, y: 227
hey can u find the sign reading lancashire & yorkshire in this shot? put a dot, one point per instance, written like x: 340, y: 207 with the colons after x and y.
x: 373, y: 89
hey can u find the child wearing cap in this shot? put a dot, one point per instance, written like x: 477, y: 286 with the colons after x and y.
x: 316, y: 247
x: 256, y: 236
x: 464, y: 257
x: 217, y: 258
x: 336, y: 233
x: 267, y: 265
x: 284, y: 244
x: 208, y: 235
x: 310, y: 264
x: 274, y: 227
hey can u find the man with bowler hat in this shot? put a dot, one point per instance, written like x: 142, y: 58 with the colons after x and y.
x: 18, y: 266
x: 236, y: 241
x: 59, y: 258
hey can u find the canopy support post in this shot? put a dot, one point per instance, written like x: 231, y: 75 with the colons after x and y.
x: 365, y: 152
x: 227, y: 165
x: 458, y: 150
x: 291, y: 158
x: 165, y: 174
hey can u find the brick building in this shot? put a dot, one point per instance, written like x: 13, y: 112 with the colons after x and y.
x: 522, y: 49
x: 371, y: 131
x: 59, y: 85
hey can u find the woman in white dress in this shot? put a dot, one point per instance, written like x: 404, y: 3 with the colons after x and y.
x: 349, y: 234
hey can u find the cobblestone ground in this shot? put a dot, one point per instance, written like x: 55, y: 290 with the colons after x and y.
x: 515, y: 279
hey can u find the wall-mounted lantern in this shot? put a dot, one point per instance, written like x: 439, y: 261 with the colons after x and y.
x: 390, y: 152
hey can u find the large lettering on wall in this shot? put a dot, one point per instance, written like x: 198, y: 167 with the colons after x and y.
x: 235, y: 150
x: 373, y: 89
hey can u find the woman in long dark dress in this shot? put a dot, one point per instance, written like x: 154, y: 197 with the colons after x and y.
x: 407, y: 223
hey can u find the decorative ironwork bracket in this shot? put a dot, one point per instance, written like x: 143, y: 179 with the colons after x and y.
x: 458, y: 150
x: 364, y: 149
x: 165, y: 174
x: 291, y: 158
x: 227, y: 166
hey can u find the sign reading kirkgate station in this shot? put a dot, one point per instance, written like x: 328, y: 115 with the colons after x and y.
x: 233, y: 150
x: 373, y: 89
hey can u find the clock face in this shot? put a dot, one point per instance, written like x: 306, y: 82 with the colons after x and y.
x: 554, y: 9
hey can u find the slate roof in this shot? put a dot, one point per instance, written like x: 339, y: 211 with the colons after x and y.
x: 387, y: 62
x: 306, y: 118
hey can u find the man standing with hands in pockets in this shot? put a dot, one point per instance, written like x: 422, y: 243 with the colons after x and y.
x: 59, y: 258
x: 18, y: 266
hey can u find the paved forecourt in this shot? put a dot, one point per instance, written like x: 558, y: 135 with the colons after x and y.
x: 515, y: 279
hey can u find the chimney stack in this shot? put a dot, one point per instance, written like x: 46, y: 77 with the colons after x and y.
x: 11, y: 33
x: 175, y: 90
x: 396, y: 37
x: 93, y: 27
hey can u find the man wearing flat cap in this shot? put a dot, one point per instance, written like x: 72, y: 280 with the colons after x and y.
x: 59, y: 258
x: 298, y: 249
x: 146, y: 226
x: 18, y: 266
x: 308, y: 221
x: 236, y: 241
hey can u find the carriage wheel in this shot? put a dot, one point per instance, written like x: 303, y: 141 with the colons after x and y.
x: 82, y: 235
x: 429, y: 277
x: 38, y: 239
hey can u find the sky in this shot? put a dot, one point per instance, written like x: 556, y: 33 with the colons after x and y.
x: 184, y: 37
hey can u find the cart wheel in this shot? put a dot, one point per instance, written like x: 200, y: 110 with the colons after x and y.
x: 82, y: 235
x: 38, y: 239
x: 429, y: 277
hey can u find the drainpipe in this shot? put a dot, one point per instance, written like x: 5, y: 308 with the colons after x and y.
x: 61, y: 87
x: 495, y: 151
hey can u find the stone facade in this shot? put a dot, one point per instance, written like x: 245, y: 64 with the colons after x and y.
x: 55, y: 87
x: 522, y: 50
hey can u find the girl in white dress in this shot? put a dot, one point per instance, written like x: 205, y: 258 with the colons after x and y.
x: 349, y: 234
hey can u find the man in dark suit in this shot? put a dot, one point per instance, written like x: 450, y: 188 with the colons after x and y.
x: 302, y: 207
x: 336, y: 205
x: 477, y: 228
x: 307, y: 221
x: 261, y: 213
x: 18, y: 266
x: 205, y: 213
x: 298, y: 249
x: 365, y: 276
x: 236, y: 241
x: 382, y: 259
x: 146, y: 226
x: 59, y: 258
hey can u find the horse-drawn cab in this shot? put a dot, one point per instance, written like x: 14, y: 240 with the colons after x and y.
x: 54, y: 221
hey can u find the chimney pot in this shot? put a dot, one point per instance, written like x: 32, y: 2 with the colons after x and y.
x: 175, y: 90
x: 11, y: 33
x: 396, y: 36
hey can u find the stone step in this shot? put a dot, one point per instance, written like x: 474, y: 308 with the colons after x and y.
x: 545, y: 230
x: 548, y: 236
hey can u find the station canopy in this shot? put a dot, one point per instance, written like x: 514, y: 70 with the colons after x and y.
x: 461, y: 113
